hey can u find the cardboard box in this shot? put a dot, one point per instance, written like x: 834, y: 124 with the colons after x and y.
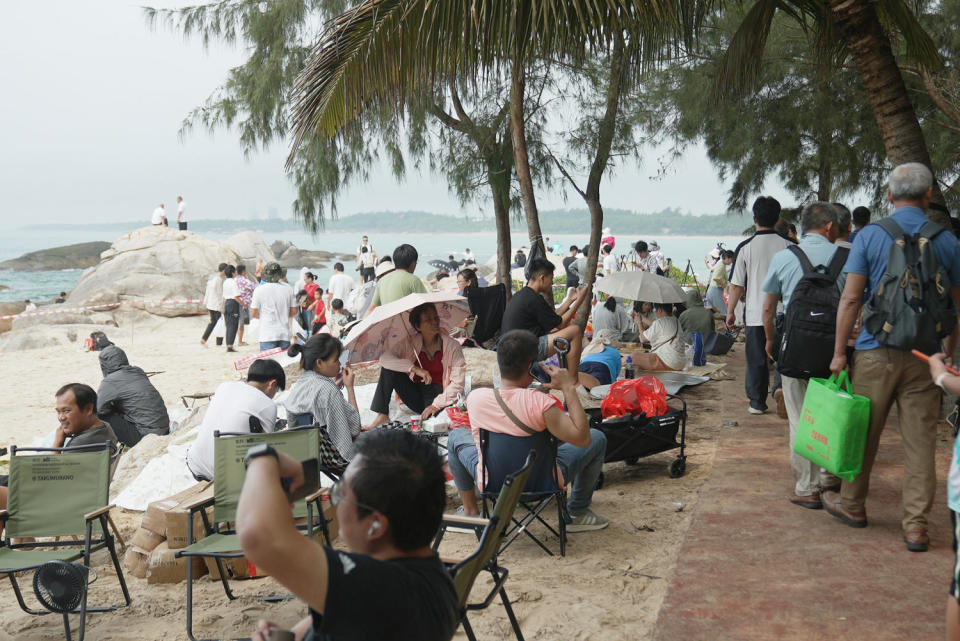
x: 177, y: 525
x: 146, y: 539
x: 236, y: 568
x: 155, y: 519
x: 164, y: 567
x: 135, y: 561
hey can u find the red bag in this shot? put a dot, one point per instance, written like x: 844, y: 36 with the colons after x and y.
x: 457, y: 418
x: 645, y: 395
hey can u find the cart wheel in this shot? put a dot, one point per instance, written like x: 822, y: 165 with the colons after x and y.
x: 678, y: 467
x: 599, y: 484
x: 632, y: 460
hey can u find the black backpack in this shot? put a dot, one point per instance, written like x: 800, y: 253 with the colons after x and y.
x: 810, y: 321
x: 911, y: 306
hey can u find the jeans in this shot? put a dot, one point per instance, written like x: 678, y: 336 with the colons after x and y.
x: 214, y: 317
x: 231, y: 318
x: 271, y: 344
x: 757, y: 379
x: 581, y: 465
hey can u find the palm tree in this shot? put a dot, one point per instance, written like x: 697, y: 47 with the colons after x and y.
x: 384, y: 51
x: 856, y: 27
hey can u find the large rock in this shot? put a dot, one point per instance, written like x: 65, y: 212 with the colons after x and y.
x: 293, y: 258
x: 7, y: 309
x: 154, y: 263
x: 280, y: 246
x: 47, y: 335
x: 79, y: 256
x: 249, y: 247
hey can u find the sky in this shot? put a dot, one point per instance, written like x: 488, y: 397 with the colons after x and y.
x: 94, y: 99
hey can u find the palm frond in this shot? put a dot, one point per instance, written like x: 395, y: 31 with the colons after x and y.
x: 898, y: 18
x: 740, y: 65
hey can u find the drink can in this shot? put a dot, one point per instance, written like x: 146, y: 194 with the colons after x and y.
x: 415, y: 423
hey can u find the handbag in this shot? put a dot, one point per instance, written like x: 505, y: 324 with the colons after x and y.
x: 832, y: 431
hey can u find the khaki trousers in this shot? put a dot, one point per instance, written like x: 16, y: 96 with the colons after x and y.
x: 885, y: 376
x: 810, y: 478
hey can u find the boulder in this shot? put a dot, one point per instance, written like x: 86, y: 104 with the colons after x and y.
x: 154, y: 263
x: 280, y: 246
x: 47, y: 335
x: 79, y: 256
x: 294, y: 258
x: 6, y: 309
x: 249, y: 247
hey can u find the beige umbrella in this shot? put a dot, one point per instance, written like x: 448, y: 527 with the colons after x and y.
x: 642, y: 286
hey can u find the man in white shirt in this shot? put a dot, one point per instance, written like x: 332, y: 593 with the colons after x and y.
x: 213, y: 301
x: 181, y: 213
x: 340, y: 285
x: 610, y: 264
x: 750, y: 265
x: 274, y: 303
x: 237, y: 407
x: 159, y: 216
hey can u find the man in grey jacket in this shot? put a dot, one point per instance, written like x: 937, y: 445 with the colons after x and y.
x: 128, y: 401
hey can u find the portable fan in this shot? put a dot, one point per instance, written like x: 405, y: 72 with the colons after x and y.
x: 59, y: 585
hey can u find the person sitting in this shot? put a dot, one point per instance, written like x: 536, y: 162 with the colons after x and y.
x: 316, y: 398
x: 612, y: 316
x: 237, y: 408
x: 79, y: 423
x: 428, y: 371
x: 128, y: 401
x: 467, y: 278
x: 600, y: 362
x: 697, y: 318
x: 667, y: 346
x: 389, y: 504
x: 643, y: 314
x: 579, y: 457
x: 529, y: 310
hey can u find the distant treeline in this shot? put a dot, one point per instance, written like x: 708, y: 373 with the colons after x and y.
x: 570, y: 221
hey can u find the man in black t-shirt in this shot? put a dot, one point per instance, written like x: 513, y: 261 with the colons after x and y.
x: 390, y: 585
x: 529, y: 310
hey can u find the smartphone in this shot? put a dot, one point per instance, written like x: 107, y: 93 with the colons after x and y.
x: 540, y: 374
x: 311, y: 482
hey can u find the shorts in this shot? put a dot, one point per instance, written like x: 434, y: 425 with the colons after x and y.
x: 597, y: 370
x: 543, y: 347
x: 244, y: 315
x: 955, y: 578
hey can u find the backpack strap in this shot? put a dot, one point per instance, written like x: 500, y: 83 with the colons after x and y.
x: 837, y: 262
x: 929, y: 230
x: 513, y: 417
x: 802, y: 257
x: 890, y: 226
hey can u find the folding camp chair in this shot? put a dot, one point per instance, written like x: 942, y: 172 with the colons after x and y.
x: 221, y: 541
x: 503, y: 453
x: 59, y: 492
x: 490, y: 532
x: 487, y: 304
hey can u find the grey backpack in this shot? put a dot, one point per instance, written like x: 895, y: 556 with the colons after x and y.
x: 911, y: 306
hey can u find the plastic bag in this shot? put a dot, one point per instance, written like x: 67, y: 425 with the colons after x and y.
x: 645, y: 395
x: 833, y: 426
x: 458, y: 418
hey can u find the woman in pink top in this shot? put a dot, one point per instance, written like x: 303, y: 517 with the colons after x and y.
x: 428, y: 371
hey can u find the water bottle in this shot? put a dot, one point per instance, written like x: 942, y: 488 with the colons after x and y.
x: 628, y: 368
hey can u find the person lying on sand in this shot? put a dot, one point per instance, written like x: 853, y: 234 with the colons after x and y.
x: 389, y: 585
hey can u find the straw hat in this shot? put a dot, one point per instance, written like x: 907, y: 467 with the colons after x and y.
x: 384, y: 268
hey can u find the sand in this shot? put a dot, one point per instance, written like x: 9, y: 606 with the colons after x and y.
x: 610, y: 585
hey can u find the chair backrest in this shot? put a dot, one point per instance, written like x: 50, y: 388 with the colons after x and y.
x: 487, y: 304
x: 504, y: 453
x: 465, y: 572
x: 50, y: 492
x: 229, y: 471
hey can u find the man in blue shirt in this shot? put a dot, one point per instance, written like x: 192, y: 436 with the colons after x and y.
x: 820, y: 228
x: 886, y: 375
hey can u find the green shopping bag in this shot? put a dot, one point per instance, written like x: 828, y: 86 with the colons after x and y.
x: 833, y: 426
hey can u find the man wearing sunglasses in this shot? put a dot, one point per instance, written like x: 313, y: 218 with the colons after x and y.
x: 390, y: 585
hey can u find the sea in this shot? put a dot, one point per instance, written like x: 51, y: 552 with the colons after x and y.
x: 686, y: 252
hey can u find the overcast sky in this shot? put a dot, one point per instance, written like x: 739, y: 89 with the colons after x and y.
x: 93, y: 101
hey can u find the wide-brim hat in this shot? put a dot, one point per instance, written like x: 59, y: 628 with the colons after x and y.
x: 272, y: 272
x: 384, y: 268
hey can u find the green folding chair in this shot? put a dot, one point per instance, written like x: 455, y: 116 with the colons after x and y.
x: 59, y: 492
x: 490, y: 533
x: 221, y: 541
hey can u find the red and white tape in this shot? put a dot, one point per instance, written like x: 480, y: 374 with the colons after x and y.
x: 245, y: 362
x: 58, y: 309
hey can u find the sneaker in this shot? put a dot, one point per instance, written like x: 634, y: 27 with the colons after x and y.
x: 587, y: 521
x: 781, y: 403
x: 757, y: 410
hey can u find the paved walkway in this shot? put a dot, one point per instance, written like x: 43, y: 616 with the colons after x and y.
x: 754, y: 566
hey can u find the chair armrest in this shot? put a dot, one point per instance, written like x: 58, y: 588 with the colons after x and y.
x: 96, y: 513
x: 197, y: 503
x: 316, y: 495
x: 462, y: 519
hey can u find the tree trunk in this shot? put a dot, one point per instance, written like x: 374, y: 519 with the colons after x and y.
x: 824, y: 167
x: 870, y: 48
x: 521, y: 161
x: 499, y: 180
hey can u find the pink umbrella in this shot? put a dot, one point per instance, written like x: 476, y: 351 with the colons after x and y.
x: 390, y: 323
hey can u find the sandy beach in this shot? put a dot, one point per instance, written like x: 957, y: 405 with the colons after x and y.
x: 612, y: 581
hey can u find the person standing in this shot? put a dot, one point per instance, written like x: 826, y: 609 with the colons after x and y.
x: 401, y: 281
x: 274, y: 303
x: 366, y: 263
x: 213, y: 300
x: 820, y: 225
x: 573, y: 280
x: 246, y: 287
x: 159, y: 216
x: 340, y: 284
x: 887, y: 374
x: 181, y: 213
x: 309, y: 306
x: 231, y: 306
x: 610, y: 264
x: 750, y: 265
x: 861, y: 218
x: 718, y: 282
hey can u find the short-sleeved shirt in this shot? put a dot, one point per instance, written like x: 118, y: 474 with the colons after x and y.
x: 753, y: 258
x: 182, y: 211
x: 786, y: 271
x: 396, y: 600
x: 719, y: 273
x: 102, y: 433
x: 666, y: 341
x: 530, y: 406
x: 869, y: 256
x: 610, y: 357
x: 245, y: 287
x: 396, y: 285
x: 572, y: 278
x: 157, y: 217
x: 530, y: 311
x: 230, y: 289
x: 610, y: 264
x: 274, y: 301
x: 340, y: 286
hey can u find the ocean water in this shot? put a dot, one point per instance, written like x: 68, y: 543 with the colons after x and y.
x: 45, y: 285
